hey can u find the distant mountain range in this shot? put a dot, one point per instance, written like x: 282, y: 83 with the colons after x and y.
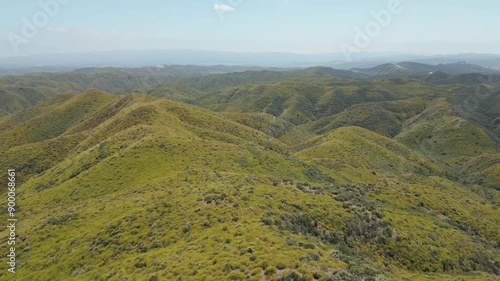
x: 21, y: 91
x: 413, y: 68
x: 70, y: 61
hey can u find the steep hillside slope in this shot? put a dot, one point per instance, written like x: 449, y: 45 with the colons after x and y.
x: 439, y: 133
x: 133, y: 187
x: 363, y: 152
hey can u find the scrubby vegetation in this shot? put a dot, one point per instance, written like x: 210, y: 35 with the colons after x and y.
x: 265, y: 175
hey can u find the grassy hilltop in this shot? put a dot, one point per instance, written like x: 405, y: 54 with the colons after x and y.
x: 305, y: 175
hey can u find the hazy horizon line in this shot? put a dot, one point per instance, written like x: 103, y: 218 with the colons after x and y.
x: 253, y: 52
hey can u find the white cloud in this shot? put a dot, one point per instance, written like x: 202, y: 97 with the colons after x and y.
x: 223, y: 8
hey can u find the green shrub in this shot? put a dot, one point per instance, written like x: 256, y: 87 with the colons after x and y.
x: 270, y: 270
x: 292, y: 276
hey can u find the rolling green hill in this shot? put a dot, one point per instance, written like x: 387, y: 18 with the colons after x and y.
x: 256, y: 176
x: 23, y: 91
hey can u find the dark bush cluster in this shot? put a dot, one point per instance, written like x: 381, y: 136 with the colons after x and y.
x: 292, y: 276
x: 216, y: 198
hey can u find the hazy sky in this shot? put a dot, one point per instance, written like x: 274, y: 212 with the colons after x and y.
x: 301, y: 26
